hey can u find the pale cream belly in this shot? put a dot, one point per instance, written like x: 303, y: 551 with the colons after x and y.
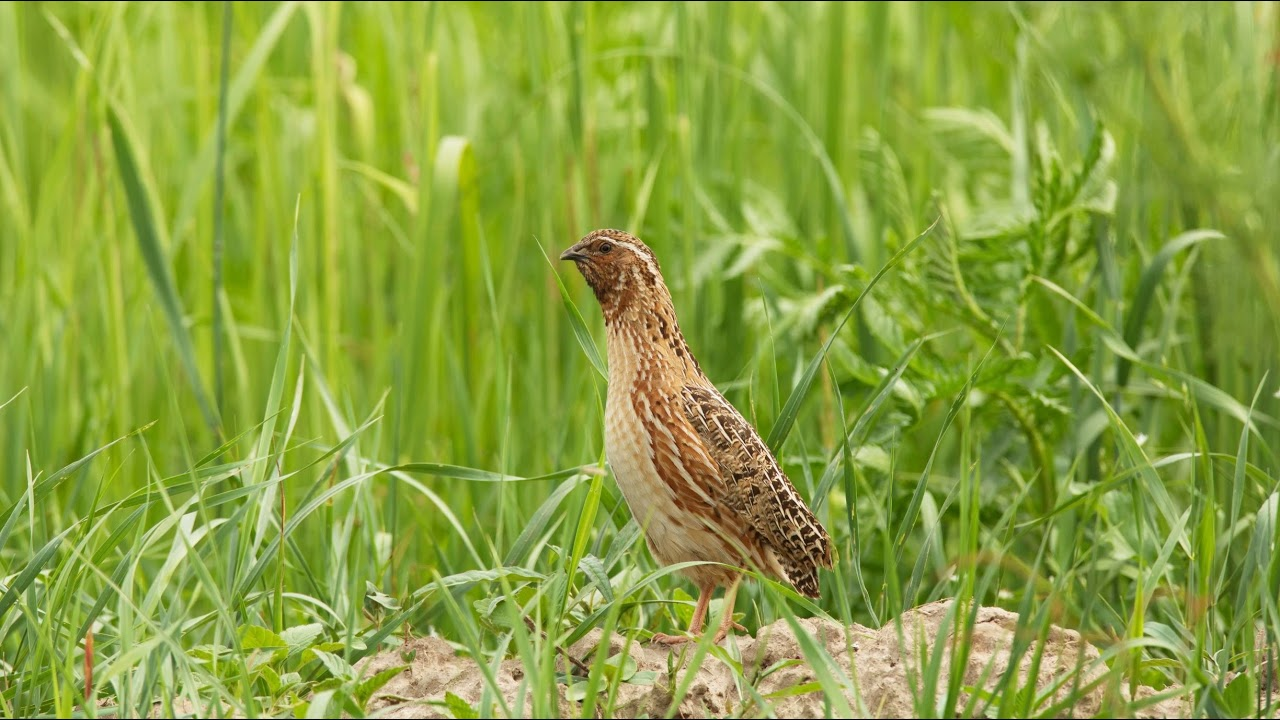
x: 673, y: 535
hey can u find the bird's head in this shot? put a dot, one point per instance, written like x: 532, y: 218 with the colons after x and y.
x: 619, y: 267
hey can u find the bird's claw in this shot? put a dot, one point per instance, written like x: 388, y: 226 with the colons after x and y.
x: 672, y: 640
x: 665, y: 639
x: 720, y: 636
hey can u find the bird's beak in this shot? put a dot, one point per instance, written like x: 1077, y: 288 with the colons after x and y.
x: 572, y: 254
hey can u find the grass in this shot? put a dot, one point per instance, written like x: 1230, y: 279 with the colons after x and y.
x: 273, y: 397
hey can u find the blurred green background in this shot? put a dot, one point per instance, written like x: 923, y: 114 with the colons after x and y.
x: 1106, y: 175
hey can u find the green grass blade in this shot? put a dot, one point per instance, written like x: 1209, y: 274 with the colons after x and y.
x: 6, y: 403
x: 476, y: 475
x: 47, y: 485
x: 144, y: 226
x: 218, y: 192
x: 241, y: 86
x: 32, y: 569
x: 14, y: 513
x: 540, y: 519
x: 579, y: 326
x: 867, y: 414
x: 276, y: 391
x: 787, y: 418
x: 1237, y: 492
x: 917, y: 496
x: 1145, y: 294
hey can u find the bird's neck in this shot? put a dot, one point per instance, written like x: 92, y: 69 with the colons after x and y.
x: 644, y: 339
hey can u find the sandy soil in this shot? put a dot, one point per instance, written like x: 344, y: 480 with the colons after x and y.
x: 886, y: 670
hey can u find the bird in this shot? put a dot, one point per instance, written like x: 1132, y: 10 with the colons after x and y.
x: 693, y: 471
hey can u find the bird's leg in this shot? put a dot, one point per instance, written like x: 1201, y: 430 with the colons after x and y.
x: 730, y: 594
x: 700, y: 611
x: 695, y: 625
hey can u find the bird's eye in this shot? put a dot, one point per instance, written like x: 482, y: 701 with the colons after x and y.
x: 605, y: 247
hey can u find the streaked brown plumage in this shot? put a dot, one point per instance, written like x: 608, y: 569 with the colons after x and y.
x: 694, y: 472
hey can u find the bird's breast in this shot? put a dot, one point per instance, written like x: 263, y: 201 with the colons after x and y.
x: 644, y: 440
x: 629, y: 428
x: 628, y: 444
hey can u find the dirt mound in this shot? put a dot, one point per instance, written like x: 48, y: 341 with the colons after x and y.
x: 887, y: 670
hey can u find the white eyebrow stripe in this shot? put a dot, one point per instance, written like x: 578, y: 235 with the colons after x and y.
x: 644, y: 254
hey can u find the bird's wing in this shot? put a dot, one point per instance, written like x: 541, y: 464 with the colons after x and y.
x: 679, y: 456
x: 758, y: 490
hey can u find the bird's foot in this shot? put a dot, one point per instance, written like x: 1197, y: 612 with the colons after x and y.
x: 665, y: 639
x: 724, y: 632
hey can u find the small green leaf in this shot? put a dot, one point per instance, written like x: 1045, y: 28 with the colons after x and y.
x: 577, y: 692
x: 1240, y: 695
x: 803, y: 689
x: 643, y: 677
x: 206, y: 653
x: 593, y: 567
x: 458, y: 707
x: 616, y: 668
x: 373, y: 596
x: 337, y: 667
x: 332, y: 683
x: 320, y: 705
x: 300, y: 637
x: 309, y: 654
x: 369, y: 686
x: 271, y: 678
x: 254, y: 637
x: 484, y: 608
